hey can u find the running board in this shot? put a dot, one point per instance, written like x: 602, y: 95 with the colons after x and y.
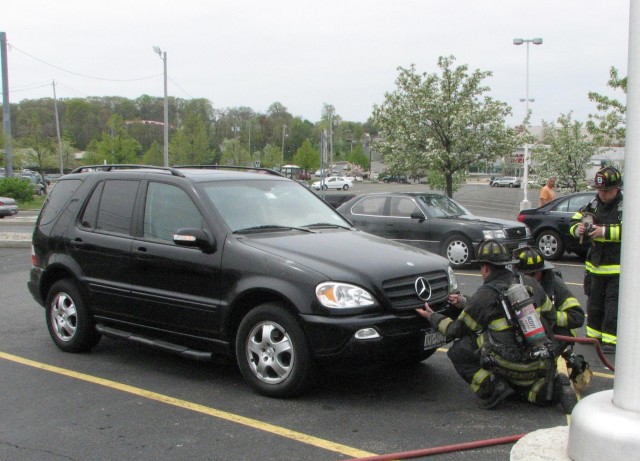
x: 170, y: 347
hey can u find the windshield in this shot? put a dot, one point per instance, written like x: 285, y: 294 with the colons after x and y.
x: 255, y: 204
x: 440, y: 206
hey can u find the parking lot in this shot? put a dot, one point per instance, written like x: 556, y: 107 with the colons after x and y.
x: 126, y: 401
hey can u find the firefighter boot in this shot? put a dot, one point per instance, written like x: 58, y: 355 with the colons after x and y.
x: 563, y: 394
x: 501, y: 391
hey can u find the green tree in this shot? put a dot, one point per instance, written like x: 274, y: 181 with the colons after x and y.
x: 155, y: 155
x: 358, y: 157
x: 190, y: 144
x: 234, y: 153
x: 307, y: 157
x: 270, y: 156
x: 565, y: 153
x: 116, y: 146
x: 608, y: 127
x: 442, y: 122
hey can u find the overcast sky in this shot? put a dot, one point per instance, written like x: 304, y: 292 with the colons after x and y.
x: 304, y: 54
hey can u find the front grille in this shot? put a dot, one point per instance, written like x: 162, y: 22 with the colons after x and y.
x: 402, y: 295
x: 516, y: 233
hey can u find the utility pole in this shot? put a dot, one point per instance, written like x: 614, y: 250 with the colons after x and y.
x: 6, y: 109
x: 330, y: 109
x: 55, y: 107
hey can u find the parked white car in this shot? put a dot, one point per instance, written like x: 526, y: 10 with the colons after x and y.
x: 334, y: 182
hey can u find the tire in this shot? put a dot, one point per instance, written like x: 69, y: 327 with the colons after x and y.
x: 510, y: 184
x: 69, y: 321
x: 458, y: 250
x: 493, y: 184
x: 345, y: 187
x: 272, y: 352
x: 324, y: 187
x: 550, y: 244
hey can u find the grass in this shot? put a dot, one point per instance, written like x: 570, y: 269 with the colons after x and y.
x: 34, y: 204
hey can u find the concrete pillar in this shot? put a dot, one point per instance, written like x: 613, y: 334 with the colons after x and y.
x: 606, y: 425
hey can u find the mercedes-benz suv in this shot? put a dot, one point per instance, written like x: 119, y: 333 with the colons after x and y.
x: 245, y: 263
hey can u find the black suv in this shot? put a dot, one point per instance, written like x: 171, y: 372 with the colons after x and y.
x: 245, y: 263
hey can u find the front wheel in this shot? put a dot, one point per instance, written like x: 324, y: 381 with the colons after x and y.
x: 550, y: 244
x: 458, y: 250
x: 272, y: 352
x: 69, y: 321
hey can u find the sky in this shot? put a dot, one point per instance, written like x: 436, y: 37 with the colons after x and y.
x: 306, y: 54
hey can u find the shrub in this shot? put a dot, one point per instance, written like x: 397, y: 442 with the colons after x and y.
x: 17, y: 188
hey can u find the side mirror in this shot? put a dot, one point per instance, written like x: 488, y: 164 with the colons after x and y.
x: 417, y: 215
x: 196, y: 238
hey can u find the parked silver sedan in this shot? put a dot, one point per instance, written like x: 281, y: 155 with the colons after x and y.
x: 8, y: 207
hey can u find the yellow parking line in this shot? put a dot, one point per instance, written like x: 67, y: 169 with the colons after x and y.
x: 252, y: 423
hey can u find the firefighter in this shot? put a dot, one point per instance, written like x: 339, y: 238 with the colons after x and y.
x: 602, y: 265
x: 569, y: 314
x: 488, y: 352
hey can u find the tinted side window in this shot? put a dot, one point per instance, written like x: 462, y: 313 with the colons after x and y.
x: 402, y: 207
x: 116, y: 206
x: 167, y: 209
x: 373, y: 206
x: 58, y: 199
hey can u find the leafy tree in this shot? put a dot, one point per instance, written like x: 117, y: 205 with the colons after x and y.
x: 116, y: 146
x: 36, y: 128
x: 608, y: 128
x: 270, y: 156
x: 234, y: 153
x: 565, y: 154
x: 442, y: 122
x: 307, y: 157
x: 190, y: 144
x: 358, y: 157
x: 155, y: 155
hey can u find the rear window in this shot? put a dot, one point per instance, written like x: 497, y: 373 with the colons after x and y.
x: 58, y: 199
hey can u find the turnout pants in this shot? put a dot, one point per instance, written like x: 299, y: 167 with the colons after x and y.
x: 602, y: 307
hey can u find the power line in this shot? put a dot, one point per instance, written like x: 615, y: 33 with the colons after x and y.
x: 13, y: 47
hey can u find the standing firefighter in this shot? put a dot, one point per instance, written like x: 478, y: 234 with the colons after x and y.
x: 601, y: 222
x: 492, y: 352
x: 569, y: 314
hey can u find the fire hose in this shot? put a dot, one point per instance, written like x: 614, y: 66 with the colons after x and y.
x: 481, y: 443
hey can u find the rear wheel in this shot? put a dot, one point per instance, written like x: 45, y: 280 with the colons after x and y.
x: 550, y: 244
x: 69, y: 321
x: 346, y: 187
x: 458, y: 250
x: 272, y: 352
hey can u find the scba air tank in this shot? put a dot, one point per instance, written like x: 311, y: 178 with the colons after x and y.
x: 527, y: 315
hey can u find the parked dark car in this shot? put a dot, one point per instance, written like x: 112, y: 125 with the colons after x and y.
x: 432, y: 222
x: 396, y: 178
x: 335, y: 200
x: 549, y: 225
x: 244, y: 263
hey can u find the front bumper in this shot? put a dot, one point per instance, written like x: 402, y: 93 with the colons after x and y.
x: 333, y: 339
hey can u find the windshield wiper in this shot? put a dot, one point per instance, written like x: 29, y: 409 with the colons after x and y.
x: 326, y: 224
x: 270, y: 227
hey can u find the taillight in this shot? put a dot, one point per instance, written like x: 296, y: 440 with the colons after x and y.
x: 1, y: 203
x: 34, y: 260
x: 521, y: 217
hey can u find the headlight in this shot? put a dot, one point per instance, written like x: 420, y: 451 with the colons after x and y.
x: 342, y: 295
x: 453, y: 281
x: 528, y: 232
x: 494, y: 234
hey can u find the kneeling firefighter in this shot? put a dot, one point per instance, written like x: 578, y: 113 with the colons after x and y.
x: 569, y: 314
x: 504, y: 336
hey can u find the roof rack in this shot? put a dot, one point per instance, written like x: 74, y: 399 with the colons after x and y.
x: 232, y: 167
x: 125, y: 166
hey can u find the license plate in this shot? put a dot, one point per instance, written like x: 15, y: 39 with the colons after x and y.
x: 432, y: 340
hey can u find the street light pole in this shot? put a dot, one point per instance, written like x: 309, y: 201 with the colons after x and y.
x: 165, y: 132
x: 525, y: 180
